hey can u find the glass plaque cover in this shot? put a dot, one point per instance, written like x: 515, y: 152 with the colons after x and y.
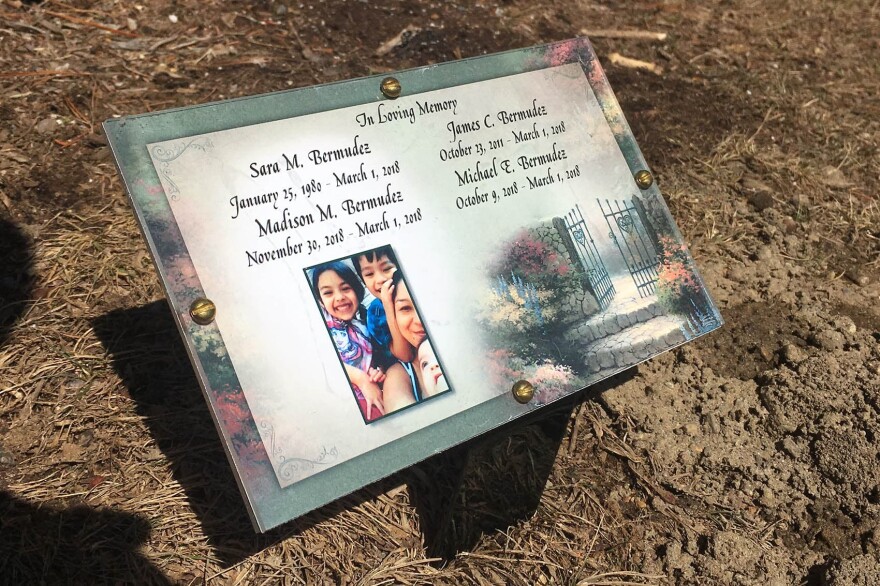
x: 385, y: 269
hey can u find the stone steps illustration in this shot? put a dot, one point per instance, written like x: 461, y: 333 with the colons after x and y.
x: 632, y: 344
x: 618, y: 317
x: 628, y: 331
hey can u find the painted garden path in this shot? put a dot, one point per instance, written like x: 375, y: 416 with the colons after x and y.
x: 630, y: 330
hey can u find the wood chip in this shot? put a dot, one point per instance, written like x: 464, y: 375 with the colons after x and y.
x: 4, y: 199
x: 397, y: 40
x: 630, y: 63
x: 619, y: 34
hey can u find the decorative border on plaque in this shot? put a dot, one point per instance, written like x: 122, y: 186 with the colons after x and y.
x: 288, y: 466
x: 166, y: 156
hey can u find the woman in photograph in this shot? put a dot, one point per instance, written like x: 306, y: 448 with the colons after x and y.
x: 425, y: 366
x: 340, y: 295
x: 408, y: 320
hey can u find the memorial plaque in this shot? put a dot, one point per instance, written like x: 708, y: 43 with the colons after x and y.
x: 364, y: 272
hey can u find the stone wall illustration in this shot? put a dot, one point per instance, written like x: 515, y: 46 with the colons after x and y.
x: 581, y: 304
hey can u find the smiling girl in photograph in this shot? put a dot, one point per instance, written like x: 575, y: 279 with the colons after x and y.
x: 340, y: 295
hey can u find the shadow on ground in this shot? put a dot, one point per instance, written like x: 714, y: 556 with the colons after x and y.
x: 480, y: 487
x: 493, y: 482
x: 16, y: 276
x: 59, y: 545
x: 487, y: 484
x: 75, y: 545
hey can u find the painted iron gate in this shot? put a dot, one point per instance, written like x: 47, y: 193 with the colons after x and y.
x: 591, y: 262
x: 627, y: 230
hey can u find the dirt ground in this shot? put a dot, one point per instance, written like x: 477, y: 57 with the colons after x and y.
x: 748, y: 457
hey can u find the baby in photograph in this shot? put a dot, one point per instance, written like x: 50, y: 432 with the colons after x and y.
x: 433, y: 381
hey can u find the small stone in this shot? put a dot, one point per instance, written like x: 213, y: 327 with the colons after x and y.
x: 692, y: 428
x: 758, y: 193
x: 624, y: 359
x: 586, y: 334
x: 172, y: 18
x: 765, y: 253
x: 791, y: 448
x: 85, y: 438
x: 857, y: 277
x: 46, y: 126
x: 831, y: 363
x: 828, y: 340
x: 593, y: 362
x: 761, y: 200
x: 610, y: 324
x: 640, y: 349
x: 789, y: 225
x: 768, y: 499
x: 131, y: 24
x: 844, y: 324
x: 712, y: 423
x: 834, y: 177
x: 606, y: 359
x: 74, y: 384
x: 672, y: 554
x: 792, y: 354
x: 6, y: 459
x: 674, y: 338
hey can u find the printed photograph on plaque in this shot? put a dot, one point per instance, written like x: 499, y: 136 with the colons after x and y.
x: 377, y: 330
x: 494, y: 223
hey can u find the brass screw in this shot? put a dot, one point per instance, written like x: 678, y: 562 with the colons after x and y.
x: 202, y: 311
x: 390, y: 87
x: 644, y: 179
x: 523, y: 391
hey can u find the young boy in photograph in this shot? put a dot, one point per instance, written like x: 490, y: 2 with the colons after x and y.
x: 376, y: 267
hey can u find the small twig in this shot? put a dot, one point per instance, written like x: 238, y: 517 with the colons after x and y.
x: 618, y: 579
x: 83, y: 21
x: 72, y: 9
x: 761, y: 126
x: 189, y: 43
x: 71, y: 142
x: 43, y: 72
x: 619, y: 34
x: 255, y: 60
x: 76, y: 112
x: 572, y: 439
x: 618, y: 59
x: 809, y: 258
